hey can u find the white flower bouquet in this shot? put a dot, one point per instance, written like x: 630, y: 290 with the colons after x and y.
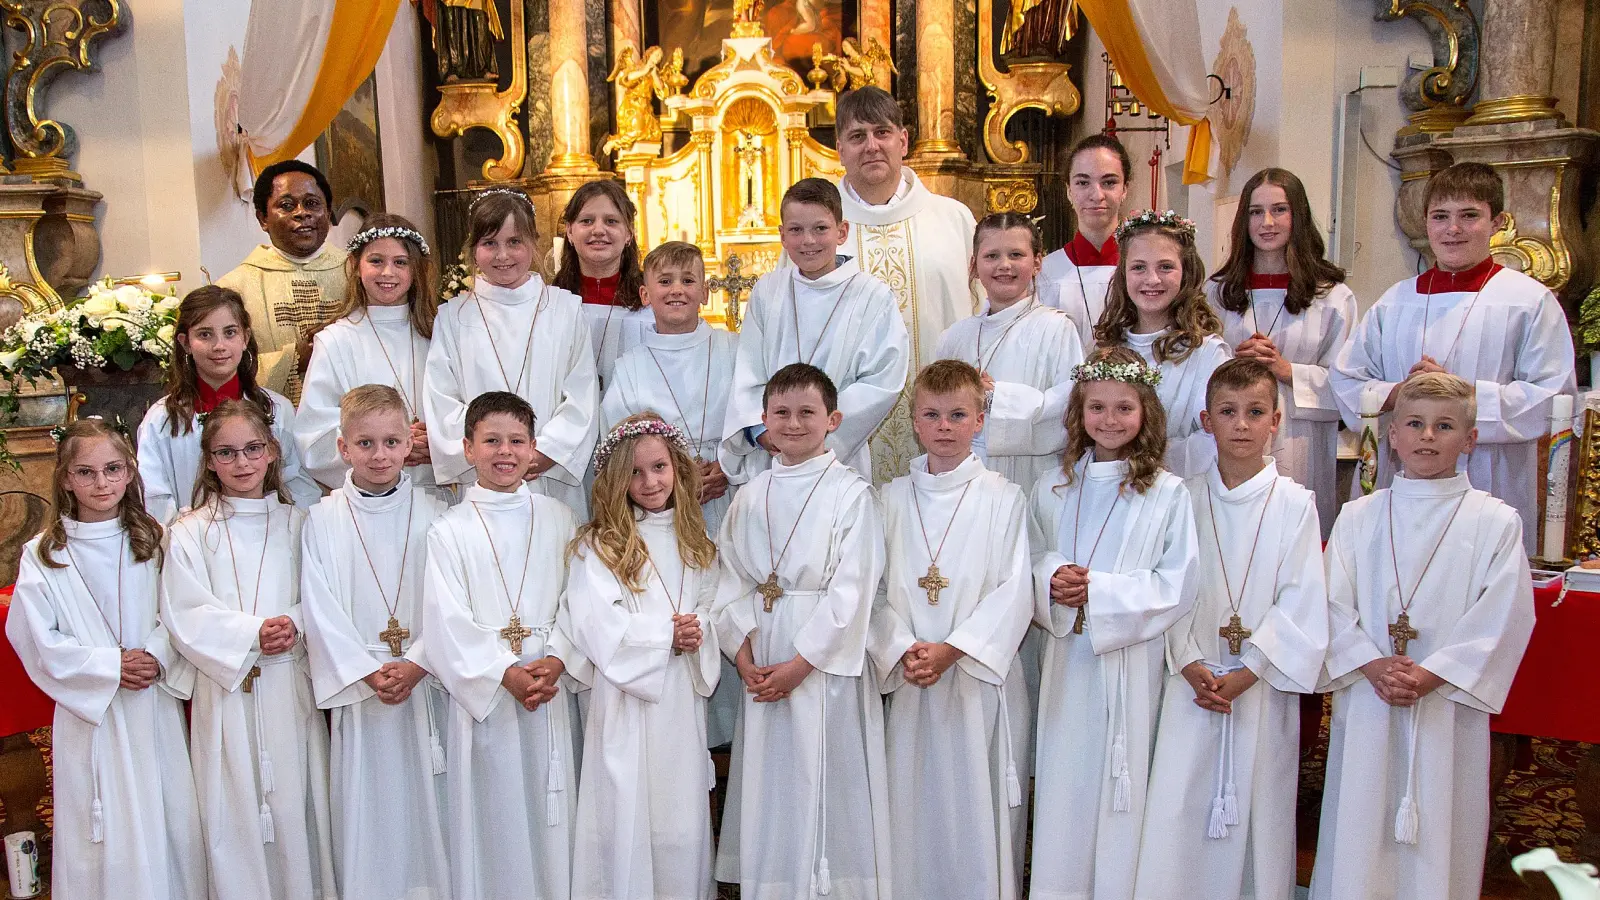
x: 112, y: 327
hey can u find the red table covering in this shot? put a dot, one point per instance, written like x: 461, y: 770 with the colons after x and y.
x: 24, y: 707
x: 1556, y: 693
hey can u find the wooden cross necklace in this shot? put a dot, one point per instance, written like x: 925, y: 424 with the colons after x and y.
x: 1077, y: 523
x: 527, y: 349
x: 704, y: 406
x: 1235, y: 632
x: 255, y: 602
x: 392, y: 634
x: 116, y: 632
x: 933, y: 582
x: 770, y: 590
x: 515, y: 632
x: 1400, y: 632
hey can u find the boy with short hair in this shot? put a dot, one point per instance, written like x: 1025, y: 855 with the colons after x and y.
x: 361, y: 584
x: 1498, y: 329
x: 944, y: 640
x: 802, y: 554
x: 1430, y: 609
x: 495, y: 638
x: 1221, y: 807
x: 824, y: 311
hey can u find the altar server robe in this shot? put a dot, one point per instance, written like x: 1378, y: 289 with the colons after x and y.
x: 807, y: 791
x: 1238, y: 771
x: 171, y: 464
x: 126, y: 820
x: 1473, y: 613
x: 644, y: 815
x: 919, y: 244
x: 864, y: 348
x: 613, y: 331
x: 1514, y: 347
x: 260, y: 758
x: 1307, y: 443
x: 1080, y: 291
x: 1029, y: 349
x: 1100, y: 690
x: 537, y: 334
x: 958, y: 750
x: 376, y: 345
x: 511, y: 784
x: 1190, y: 451
x: 387, y: 762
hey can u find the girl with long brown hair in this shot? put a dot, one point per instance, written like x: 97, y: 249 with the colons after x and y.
x: 1077, y: 278
x: 601, y: 262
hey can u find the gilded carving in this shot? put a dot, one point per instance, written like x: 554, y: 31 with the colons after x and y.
x: 639, y: 82
x: 58, y: 34
x: 1043, y: 86
x: 1438, y: 94
x: 465, y: 105
x: 850, y: 68
x: 1012, y: 195
x: 1548, y: 261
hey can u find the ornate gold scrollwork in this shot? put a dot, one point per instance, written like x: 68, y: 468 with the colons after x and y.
x: 30, y: 296
x: 479, y: 104
x: 1025, y: 85
x: 1438, y: 94
x: 59, y: 34
x: 1548, y: 261
x: 1013, y: 195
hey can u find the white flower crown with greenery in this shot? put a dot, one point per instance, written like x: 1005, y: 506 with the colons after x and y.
x: 1131, y: 373
x: 658, y: 427
x: 1168, y: 219
x: 391, y: 231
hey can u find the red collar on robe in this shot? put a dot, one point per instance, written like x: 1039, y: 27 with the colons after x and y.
x: 1438, y: 281
x: 601, y: 291
x: 1269, y: 282
x: 1084, y: 253
x: 210, y: 396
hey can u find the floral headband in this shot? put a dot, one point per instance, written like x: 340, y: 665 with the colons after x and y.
x: 392, y: 231
x: 1130, y: 373
x: 59, y: 433
x: 509, y: 192
x: 1168, y: 219
x: 638, y: 428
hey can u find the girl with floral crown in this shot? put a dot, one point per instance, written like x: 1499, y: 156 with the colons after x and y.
x: 1114, y: 556
x: 643, y: 577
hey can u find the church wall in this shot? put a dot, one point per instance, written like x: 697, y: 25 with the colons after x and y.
x: 409, y: 163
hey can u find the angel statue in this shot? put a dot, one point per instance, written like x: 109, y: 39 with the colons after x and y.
x: 849, y: 68
x: 638, y: 82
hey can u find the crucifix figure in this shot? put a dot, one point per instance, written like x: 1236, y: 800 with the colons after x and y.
x: 769, y: 591
x: 1401, y: 633
x: 933, y: 583
x: 1077, y: 623
x: 516, y: 633
x: 393, y: 636
x: 250, y: 678
x: 1234, y: 633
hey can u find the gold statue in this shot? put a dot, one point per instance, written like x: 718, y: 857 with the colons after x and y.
x: 849, y: 68
x: 638, y: 80
x: 672, y: 77
x: 747, y: 18
x: 1039, y: 28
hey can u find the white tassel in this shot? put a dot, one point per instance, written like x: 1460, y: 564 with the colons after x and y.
x: 1013, y: 785
x: 269, y: 834
x: 1405, y: 822
x: 553, y: 807
x: 1218, y: 829
x: 812, y: 890
x: 97, y: 823
x: 438, y: 752
x: 824, y: 878
x: 266, y: 771
x: 1119, y: 755
x: 1230, y: 804
x: 1122, y: 798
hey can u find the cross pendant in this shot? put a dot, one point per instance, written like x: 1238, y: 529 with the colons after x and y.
x: 250, y: 678
x: 516, y: 633
x: 1401, y: 633
x: 769, y: 590
x: 1077, y: 623
x: 393, y: 636
x: 1234, y: 633
x: 933, y: 583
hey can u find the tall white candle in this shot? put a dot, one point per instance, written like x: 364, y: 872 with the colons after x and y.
x: 1554, y: 545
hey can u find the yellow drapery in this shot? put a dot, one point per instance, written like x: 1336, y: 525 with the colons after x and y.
x: 356, y: 35
x: 1113, y: 22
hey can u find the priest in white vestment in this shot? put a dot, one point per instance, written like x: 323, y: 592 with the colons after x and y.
x: 259, y: 743
x: 127, y: 823
x: 1100, y: 691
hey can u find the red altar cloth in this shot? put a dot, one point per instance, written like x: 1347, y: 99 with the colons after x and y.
x: 26, y: 708
x: 1556, y: 694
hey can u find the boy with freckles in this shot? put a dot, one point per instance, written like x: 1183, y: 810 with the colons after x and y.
x: 1430, y: 609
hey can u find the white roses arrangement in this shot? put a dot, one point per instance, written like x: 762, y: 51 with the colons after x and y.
x: 111, y: 327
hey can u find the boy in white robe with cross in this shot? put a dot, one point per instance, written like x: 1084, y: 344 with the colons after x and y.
x: 495, y: 575
x: 1220, y: 817
x: 1430, y: 609
x: 945, y: 632
x: 362, y: 552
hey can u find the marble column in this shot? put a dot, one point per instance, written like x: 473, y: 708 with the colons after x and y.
x: 569, y: 90
x: 877, y: 24
x: 936, y: 81
x: 1517, y: 62
x: 627, y: 26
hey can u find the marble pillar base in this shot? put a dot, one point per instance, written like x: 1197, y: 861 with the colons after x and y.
x: 48, y: 238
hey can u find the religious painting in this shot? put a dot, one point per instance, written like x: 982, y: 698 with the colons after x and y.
x: 795, y: 26
x: 350, y: 153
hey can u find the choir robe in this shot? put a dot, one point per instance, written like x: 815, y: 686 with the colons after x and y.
x: 171, y: 464
x: 807, y: 801
x: 286, y: 297
x: 1077, y: 280
x: 1267, y: 525
x: 958, y: 749
x: 1514, y: 347
x: 538, y: 334
x: 260, y: 757
x: 511, y: 784
x: 644, y: 813
x: 1190, y: 450
x: 613, y: 331
x: 919, y: 244
x: 387, y: 762
x: 1307, y: 443
x: 865, y: 349
x: 123, y: 752
x: 699, y: 369
x: 1100, y: 691
x: 1029, y: 350
x: 1473, y: 614
x: 372, y: 346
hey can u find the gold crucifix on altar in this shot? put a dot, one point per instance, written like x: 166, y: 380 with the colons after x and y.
x: 733, y: 285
